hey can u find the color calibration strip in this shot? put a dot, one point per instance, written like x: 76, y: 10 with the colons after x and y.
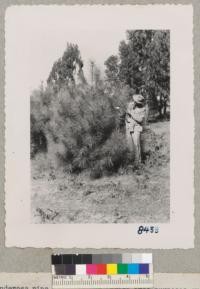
x: 102, y: 271
x: 125, y: 258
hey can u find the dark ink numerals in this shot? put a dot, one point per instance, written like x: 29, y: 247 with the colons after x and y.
x: 147, y: 229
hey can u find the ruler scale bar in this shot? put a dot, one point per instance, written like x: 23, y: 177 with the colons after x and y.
x: 127, y: 282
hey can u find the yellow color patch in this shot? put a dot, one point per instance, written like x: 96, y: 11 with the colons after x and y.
x: 111, y: 269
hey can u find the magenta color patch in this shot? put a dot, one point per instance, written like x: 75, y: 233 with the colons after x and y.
x: 91, y: 269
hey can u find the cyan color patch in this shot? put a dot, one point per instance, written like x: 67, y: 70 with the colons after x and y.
x: 133, y: 268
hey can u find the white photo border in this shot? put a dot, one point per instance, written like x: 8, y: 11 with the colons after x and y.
x: 179, y: 233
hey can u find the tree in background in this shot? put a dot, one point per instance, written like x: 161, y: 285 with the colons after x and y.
x: 82, y: 126
x: 144, y: 64
x: 68, y: 69
x: 112, y: 70
x: 95, y: 75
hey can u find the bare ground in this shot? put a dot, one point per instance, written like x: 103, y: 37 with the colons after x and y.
x: 138, y: 196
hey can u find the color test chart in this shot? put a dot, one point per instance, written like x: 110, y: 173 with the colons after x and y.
x: 102, y: 271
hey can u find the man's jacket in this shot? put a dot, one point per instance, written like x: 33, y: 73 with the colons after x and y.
x: 135, y: 117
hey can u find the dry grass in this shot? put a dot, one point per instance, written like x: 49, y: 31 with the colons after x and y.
x: 127, y: 197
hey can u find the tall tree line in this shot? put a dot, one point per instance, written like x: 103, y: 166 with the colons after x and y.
x: 143, y: 63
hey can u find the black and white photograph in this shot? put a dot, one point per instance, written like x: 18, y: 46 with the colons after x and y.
x: 98, y: 96
x: 100, y: 129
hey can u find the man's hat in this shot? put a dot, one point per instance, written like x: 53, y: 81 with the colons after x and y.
x: 138, y: 98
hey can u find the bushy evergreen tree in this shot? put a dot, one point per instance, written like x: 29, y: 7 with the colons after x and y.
x: 143, y: 63
x: 82, y: 124
x: 67, y: 68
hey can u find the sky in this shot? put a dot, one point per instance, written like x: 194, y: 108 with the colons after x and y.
x: 96, y: 45
x: 42, y: 36
x: 36, y: 36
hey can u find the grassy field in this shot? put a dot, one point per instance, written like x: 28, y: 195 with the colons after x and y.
x: 133, y: 196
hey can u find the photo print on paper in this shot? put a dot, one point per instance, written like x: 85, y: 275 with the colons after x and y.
x: 100, y: 146
x: 99, y: 126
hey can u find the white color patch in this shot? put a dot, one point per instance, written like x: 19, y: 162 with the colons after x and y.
x: 81, y: 269
x: 147, y: 258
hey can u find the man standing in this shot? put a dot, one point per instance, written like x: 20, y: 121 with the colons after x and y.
x: 135, y: 118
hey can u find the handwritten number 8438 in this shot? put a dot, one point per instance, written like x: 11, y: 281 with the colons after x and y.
x: 148, y: 229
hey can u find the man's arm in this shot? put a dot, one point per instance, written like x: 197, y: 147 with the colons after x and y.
x: 129, y: 111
